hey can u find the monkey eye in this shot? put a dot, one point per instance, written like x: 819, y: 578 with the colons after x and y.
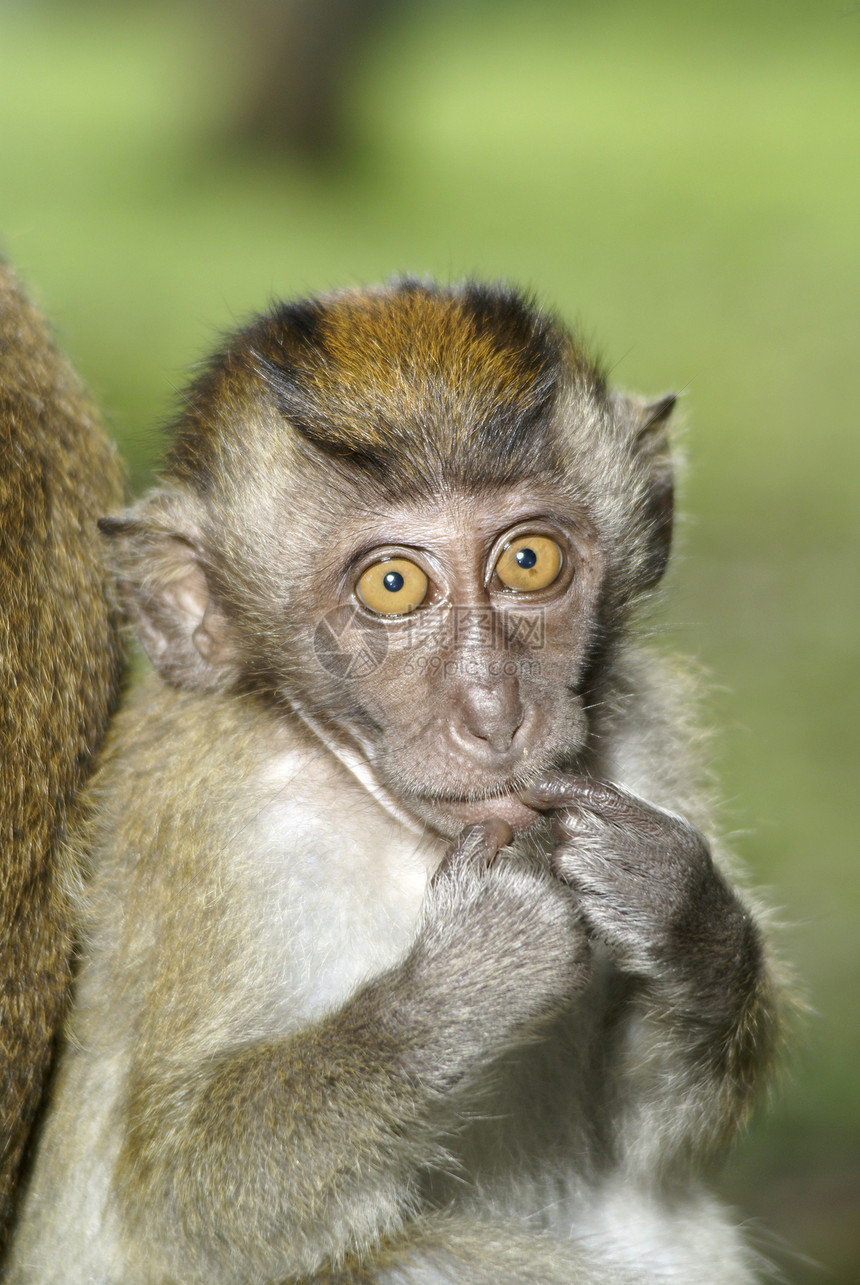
x: 528, y: 563
x: 392, y: 587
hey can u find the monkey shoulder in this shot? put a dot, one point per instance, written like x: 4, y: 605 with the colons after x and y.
x: 218, y: 823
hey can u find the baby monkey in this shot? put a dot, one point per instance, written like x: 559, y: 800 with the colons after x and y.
x: 405, y: 955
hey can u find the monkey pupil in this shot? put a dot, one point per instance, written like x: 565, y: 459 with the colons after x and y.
x: 525, y: 558
x: 393, y: 582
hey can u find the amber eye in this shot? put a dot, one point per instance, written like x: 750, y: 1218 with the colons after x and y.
x: 392, y: 587
x: 530, y: 562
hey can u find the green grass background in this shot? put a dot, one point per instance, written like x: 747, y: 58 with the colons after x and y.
x: 684, y: 180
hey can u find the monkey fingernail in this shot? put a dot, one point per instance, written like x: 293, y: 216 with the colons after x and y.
x: 479, y: 844
x: 498, y: 832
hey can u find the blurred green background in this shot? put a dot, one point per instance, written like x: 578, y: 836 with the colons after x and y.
x: 682, y: 179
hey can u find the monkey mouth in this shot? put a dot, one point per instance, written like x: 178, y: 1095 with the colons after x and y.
x: 508, y: 806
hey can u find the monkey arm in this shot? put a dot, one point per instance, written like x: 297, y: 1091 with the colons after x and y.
x: 267, y: 1161
x: 709, y: 1031
x: 275, y: 1156
x: 705, y: 1025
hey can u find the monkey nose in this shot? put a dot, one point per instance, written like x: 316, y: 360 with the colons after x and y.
x: 491, y: 714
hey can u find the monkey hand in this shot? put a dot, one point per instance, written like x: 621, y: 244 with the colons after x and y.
x: 501, y: 946
x: 646, y: 882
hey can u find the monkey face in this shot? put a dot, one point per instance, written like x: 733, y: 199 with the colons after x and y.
x: 458, y: 631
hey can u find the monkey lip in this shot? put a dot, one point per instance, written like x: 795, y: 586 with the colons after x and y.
x: 507, y: 807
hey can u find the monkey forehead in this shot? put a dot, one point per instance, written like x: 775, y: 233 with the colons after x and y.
x: 462, y: 519
x: 413, y: 383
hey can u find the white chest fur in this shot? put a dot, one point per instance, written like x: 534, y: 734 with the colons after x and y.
x: 336, y: 883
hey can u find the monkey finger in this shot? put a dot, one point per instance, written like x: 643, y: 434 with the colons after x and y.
x: 581, y: 865
x: 583, y: 801
x: 563, y: 790
x: 477, y: 845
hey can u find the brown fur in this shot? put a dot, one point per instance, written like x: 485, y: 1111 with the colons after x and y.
x: 59, y: 674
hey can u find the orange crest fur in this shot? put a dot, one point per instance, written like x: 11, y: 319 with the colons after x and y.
x: 420, y: 384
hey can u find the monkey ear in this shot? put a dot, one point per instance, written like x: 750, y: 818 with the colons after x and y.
x: 167, y: 594
x: 650, y: 442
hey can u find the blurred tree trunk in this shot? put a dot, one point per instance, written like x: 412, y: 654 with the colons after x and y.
x: 301, y: 53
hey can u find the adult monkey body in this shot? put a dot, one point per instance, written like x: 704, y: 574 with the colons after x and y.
x: 59, y: 675
x: 387, y: 588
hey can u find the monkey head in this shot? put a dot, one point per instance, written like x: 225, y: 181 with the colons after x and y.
x: 415, y: 518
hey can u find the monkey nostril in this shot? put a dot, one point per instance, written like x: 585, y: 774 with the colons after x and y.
x: 486, y: 717
x: 498, y: 739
